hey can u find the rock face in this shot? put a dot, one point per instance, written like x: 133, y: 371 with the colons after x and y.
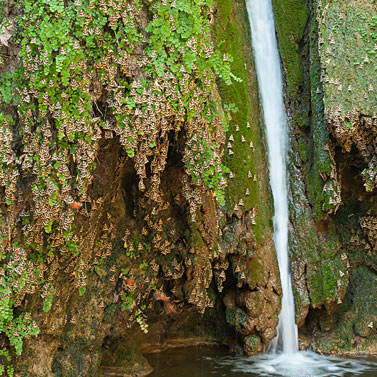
x: 326, y: 49
x: 135, y: 210
x: 135, y: 201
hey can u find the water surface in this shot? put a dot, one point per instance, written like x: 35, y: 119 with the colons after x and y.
x: 217, y: 362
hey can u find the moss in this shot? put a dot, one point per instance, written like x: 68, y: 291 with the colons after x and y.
x: 253, y: 344
x: 197, y: 240
x: 304, y: 151
x: 357, y: 316
x: 110, y: 313
x: 364, y: 298
x: 340, y: 83
x: 232, y: 35
x: 74, y: 359
x: 316, y: 250
x: 126, y: 354
x: 320, y: 157
x: 124, y: 358
x: 241, y: 248
x: 346, y: 225
x: 327, y: 280
x: 302, y: 242
x: 300, y: 120
x: 348, y: 35
x: 291, y: 17
x: 303, y: 81
x: 256, y: 273
x: 236, y: 317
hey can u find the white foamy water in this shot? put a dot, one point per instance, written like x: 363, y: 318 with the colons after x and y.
x: 299, y: 364
x: 270, y: 87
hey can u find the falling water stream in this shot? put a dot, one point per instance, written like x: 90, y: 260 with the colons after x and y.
x: 283, y: 359
x: 270, y: 86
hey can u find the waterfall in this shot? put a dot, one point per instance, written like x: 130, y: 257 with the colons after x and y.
x: 270, y: 86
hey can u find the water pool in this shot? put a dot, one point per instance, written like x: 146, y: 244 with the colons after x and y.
x: 217, y: 362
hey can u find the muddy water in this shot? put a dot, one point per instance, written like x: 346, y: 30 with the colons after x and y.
x: 217, y: 362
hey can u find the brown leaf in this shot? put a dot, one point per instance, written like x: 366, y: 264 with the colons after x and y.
x: 6, y: 34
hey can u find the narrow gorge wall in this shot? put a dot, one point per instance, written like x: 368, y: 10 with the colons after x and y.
x: 327, y: 50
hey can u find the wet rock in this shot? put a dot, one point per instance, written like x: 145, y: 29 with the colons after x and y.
x: 365, y: 325
x: 261, y: 311
x: 237, y: 318
x: 303, y: 343
x: 253, y: 344
x: 230, y: 299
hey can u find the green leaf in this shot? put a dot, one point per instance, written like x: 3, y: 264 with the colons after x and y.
x: 82, y: 290
x: 48, y: 228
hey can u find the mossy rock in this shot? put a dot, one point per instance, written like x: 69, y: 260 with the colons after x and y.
x: 355, y: 319
x: 253, y: 344
x: 291, y: 17
x: 256, y: 273
x: 232, y: 35
x: 236, y: 317
x: 211, y: 325
x: 348, y: 37
x: 124, y: 358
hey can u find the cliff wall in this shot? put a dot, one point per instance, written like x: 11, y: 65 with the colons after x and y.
x: 134, y: 197
x: 327, y: 50
x: 135, y: 204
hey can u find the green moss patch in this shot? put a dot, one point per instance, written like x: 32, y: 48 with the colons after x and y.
x: 348, y: 35
x: 248, y: 161
x: 291, y: 17
x: 256, y: 273
x: 357, y: 316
